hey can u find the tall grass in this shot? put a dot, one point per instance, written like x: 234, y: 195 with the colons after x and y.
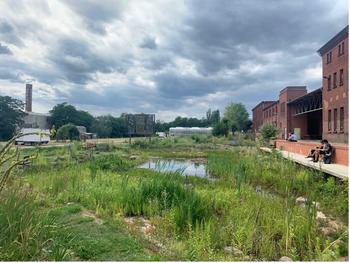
x: 207, y: 217
x: 26, y: 232
x: 279, y: 176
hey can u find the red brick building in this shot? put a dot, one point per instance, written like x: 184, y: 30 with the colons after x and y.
x: 258, y: 117
x: 270, y: 113
x: 322, y: 113
x: 335, y: 95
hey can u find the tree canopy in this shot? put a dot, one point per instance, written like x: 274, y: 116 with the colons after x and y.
x: 237, y: 117
x: 11, y: 116
x: 68, y: 132
x: 109, y: 126
x: 64, y: 113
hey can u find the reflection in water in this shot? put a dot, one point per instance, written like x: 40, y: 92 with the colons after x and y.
x: 185, y: 167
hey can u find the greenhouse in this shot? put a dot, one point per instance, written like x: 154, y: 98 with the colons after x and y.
x: 183, y: 131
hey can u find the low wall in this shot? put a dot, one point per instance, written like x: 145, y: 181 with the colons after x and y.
x: 303, y: 147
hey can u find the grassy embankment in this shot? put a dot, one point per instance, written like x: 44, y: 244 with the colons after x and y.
x: 70, y: 206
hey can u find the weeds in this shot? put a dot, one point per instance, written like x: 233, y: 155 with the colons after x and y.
x: 249, y: 211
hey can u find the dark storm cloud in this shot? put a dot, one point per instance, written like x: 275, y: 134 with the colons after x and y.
x: 9, y: 34
x: 77, y: 61
x: 149, y: 43
x: 219, y: 35
x: 179, y: 87
x: 97, y: 14
x: 4, y: 50
x: 211, y: 52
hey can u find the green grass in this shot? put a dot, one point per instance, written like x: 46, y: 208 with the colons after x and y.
x: 194, y: 218
x: 98, y: 242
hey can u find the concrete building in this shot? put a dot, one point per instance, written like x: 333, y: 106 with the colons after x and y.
x: 32, y: 119
x: 36, y: 120
x: 335, y: 94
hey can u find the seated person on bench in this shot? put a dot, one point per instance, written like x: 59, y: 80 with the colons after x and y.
x: 292, y: 137
x: 325, y: 151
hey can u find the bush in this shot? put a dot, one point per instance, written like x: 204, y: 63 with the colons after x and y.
x: 68, y: 132
x: 268, y: 131
x: 112, y: 163
x: 199, y: 138
x: 221, y: 128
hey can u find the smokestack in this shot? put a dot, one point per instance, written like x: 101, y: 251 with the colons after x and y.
x: 29, y: 97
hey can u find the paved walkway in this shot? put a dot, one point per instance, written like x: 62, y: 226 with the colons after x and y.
x: 337, y: 170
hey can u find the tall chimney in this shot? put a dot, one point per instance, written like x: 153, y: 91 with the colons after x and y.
x: 29, y: 97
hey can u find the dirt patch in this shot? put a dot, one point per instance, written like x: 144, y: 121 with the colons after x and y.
x: 144, y: 225
x: 146, y: 228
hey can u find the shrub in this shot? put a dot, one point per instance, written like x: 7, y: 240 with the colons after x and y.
x: 268, y: 131
x: 200, y: 138
x: 110, y: 162
x: 68, y: 132
x: 221, y: 128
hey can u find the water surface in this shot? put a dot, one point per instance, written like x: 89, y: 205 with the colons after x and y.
x: 184, y: 167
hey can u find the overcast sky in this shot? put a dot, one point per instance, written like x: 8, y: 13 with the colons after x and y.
x: 165, y: 57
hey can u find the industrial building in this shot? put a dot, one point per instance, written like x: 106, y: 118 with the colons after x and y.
x: 322, y: 113
x: 32, y: 119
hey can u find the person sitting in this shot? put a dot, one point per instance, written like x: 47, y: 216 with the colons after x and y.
x: 292, y: 137
x: 314, y: 154
x: 325, y: 152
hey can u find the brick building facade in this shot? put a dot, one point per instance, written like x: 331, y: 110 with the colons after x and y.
x: 322, y: 113
x: 258, y: 117
x: 335, y: 67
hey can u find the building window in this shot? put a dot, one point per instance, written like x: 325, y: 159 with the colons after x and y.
x: 329, y: 57
x: 283, y: 107
x: 341, y: 119
x: 335, y: 120
x: 341, y: 49
x: 334, y: 80
x: 329, y: 120
x: 341, y: 77
x: 329, y: 83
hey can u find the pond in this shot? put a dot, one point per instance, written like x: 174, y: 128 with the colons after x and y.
x: 185, y: 167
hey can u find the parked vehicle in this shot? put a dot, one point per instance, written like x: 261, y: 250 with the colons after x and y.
x: 42, y: 137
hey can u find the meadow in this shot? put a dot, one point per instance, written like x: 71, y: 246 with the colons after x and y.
x: 74, y: 203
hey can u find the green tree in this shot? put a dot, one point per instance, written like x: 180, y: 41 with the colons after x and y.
x: 221, y: 128
x: 68, y: 132
x: 119, y: 127
x: 237, y: 116
x: 109, y: 126
x: 213, y: 117
x: 11, y: 116
x: 64, y: 113
x: 102, y: 126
